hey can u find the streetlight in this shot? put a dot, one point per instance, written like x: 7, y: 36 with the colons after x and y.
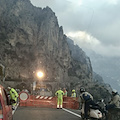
x: 40, y: 74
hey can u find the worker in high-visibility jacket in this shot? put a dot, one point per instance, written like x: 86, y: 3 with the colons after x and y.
x: 73, y: 95
x: 59, y: 95
x: 13, y: 96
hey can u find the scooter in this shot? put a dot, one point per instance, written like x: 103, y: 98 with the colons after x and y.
x: 94, y: 113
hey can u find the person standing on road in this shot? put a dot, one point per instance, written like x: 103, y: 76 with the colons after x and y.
x: 73, y: 95
x: 13, y: 96
x: 65, y: 92
x: 59, y: 95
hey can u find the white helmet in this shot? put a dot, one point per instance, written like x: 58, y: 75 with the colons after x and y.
x: 9, y: 88
x: 114, y: 91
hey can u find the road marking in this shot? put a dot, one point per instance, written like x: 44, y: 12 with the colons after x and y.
x: 13, y: 111
x: 72, y: 112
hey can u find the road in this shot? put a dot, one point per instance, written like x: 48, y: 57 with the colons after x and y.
x: 35, y: 113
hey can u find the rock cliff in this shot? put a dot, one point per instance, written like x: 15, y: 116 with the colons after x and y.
x: 91, y: 81
x: 31, y: 40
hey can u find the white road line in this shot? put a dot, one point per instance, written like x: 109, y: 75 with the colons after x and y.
x: 15, y: 109
x: 72, y: 112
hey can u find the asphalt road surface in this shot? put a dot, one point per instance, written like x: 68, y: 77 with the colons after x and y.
x: 34, y: 113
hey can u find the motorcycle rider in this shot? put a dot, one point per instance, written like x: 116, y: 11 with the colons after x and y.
x: 87, y: 99
x: 115, y: 101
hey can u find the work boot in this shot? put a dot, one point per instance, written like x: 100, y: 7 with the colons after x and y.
x: 60, y: 106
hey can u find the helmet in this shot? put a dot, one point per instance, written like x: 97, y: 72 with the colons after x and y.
x: 82, y: 90
x: 9, y: 88
x: 73, y: 90
x: 114, y: 91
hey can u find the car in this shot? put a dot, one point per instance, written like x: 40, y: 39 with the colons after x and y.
x: 5, y: 105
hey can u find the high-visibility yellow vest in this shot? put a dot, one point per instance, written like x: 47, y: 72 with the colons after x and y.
x: 13, y: 94
x: 59, y: 93
x: 73, y: 94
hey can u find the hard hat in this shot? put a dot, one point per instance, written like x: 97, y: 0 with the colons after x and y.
x: 73, y: 90
x: 114, y: 91
x: 82, y: 89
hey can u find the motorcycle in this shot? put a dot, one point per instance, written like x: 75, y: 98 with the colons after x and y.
x: 94, y: 113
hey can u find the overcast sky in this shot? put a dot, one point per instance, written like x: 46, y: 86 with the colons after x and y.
x: 92, y: 24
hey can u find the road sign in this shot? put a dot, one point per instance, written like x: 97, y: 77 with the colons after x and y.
x: 23, y: 96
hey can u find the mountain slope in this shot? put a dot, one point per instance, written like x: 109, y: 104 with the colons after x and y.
x: 31, y: 40
x: 107, y: 67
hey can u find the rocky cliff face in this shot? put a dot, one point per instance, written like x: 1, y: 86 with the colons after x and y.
x: 31, y: 40
x: 82, y: 68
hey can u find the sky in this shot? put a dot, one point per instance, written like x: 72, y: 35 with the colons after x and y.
x: 92, y: 24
